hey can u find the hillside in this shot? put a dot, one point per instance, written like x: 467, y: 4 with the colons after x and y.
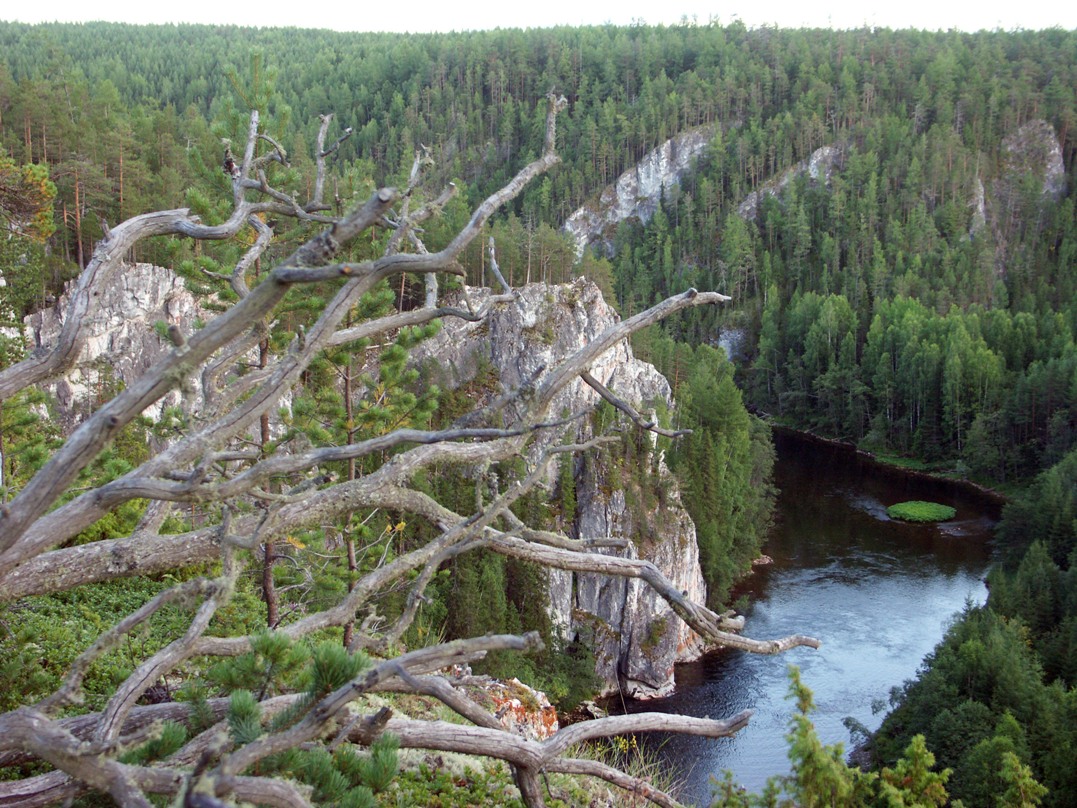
x: 892, y: 212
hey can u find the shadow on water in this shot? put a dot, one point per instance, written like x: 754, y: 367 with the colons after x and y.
x: 878, y: 593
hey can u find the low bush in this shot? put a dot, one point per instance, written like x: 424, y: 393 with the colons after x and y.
x: 917, y: 511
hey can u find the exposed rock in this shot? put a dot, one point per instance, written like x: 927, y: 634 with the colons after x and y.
x: 819, y: 166
x: 638, y: 191
x: 123, y: 342
x: 7, y: 315
x: 522, y: 709
x: 979, y: 210
x: 1033, y: 151
x: 733, y: 341
x: 636, y: 636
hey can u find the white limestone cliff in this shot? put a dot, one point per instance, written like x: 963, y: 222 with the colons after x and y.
x: 123, y: 341
x: 635, y: 634
x: 638, y: 192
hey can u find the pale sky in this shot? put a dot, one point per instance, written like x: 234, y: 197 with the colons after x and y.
x: 425, y: 15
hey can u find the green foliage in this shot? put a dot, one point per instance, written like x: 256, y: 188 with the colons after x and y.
x: 980, y: 696
x: 41, y: 636
x: 244, y: 717
x: 822, y: 779
x: 912, y: 781
x: 444, y: 788
x: 333, y: 667
x: 170, y: 738
x: 725, y: 464
x: 26, y: 439
x: 26, y: 198
x: 919, y: 511
x: 344, y: 777
x: 820, y: 775
x: 270, y: 668
x: 1021, y: 789
x: 377, y: 769
x: 875, y: 307
x: 1046, y: 513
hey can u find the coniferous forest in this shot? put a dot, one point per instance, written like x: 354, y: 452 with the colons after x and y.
x: 894, y: 214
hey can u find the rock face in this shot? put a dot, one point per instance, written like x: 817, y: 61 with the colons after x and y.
x: 979, y: 209
x: 818, y: 166
x: 7, y: 315
x: 1034, y: 149
x: 123, y: 342
x: 1032, y: 152
x: 638, y: 191
x: 635, y: 635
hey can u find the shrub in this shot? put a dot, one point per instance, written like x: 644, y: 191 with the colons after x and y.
x: 918, y: 511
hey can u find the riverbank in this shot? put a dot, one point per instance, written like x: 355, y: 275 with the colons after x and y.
x: 878, y: 593
x: 989, y: 497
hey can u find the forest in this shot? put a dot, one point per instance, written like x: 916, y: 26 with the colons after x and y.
x: 892, y: 212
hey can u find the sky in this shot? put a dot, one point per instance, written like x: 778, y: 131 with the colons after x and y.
x: 419, y: 16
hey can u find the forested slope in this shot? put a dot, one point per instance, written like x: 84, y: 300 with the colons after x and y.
x: 918, y: 297
x: 938, y: 196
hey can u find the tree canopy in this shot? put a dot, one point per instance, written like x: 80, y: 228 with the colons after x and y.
x: 220, y: 491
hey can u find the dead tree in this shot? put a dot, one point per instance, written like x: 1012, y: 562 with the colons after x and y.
x: 204, y: 466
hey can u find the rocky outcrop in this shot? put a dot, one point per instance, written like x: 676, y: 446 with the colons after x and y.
x: 519, y: 708
x: 123, y: 342
x: 638, y: 192
x: 979, y: 209
x: 1033, y: 151
x: 819, y: 166
x: 7, y: 315
x: 636, y: 636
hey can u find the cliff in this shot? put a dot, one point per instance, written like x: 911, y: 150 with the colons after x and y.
x: 638, y: 192
x: 1032, y: 178
x: 636, y: 637
x: 819, y: 166
x: 123, y: 341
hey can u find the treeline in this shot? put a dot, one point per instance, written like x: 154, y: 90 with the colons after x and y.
x: 118, y: 109
x: 889, y: 304
x: 724, y: 465
x: 1004, y: 680
x: 920, y: 128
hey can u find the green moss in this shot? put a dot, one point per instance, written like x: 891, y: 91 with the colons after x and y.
x: 655, y: 632
x: 918, y: 511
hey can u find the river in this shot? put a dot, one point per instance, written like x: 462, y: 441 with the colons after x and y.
x: 878, y: 594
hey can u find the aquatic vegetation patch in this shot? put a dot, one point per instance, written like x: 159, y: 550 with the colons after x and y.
x: 919, y: 511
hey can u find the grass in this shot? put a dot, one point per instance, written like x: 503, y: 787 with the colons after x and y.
x: 919, y: 511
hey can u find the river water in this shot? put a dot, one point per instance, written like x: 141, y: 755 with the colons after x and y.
x: 878, y: 594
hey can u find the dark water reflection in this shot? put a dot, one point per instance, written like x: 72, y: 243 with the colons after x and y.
x: 879, y: 594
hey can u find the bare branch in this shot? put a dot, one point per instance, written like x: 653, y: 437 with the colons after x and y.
x: 85, y: 443
x: 163, y: 661
x: 496, y: 270
x: 709, y: 625
x: 246, y: 490
x: 546, y: 755
x: 314, y: 723
x: 629, y: 410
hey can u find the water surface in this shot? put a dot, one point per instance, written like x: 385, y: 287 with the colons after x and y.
x: 879, y: 594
